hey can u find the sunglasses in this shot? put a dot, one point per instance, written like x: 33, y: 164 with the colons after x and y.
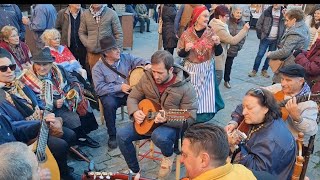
x: 5, y: 68
x: 257, y: 92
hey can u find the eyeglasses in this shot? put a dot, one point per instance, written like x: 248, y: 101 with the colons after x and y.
x: 5, y: 68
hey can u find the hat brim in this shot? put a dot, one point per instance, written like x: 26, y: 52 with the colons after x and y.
x: 106, y: 49
x: 38, y: 60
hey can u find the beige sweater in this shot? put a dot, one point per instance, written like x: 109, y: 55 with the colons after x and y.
x: 221, y: 30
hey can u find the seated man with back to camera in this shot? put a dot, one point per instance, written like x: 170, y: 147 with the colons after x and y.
x: 205, y: 150
x: 168, y: 86
x: 19, y: 162
x: 110, y: 86
x: 299, y: 116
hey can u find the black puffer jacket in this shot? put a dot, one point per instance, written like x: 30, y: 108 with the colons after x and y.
x: 235, y: 26
x: 169, y: 12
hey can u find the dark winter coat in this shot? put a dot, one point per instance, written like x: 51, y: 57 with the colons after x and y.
x: 169, y: 12
x: 311, y: 62
x: 234, y: 28
x: 264, y: 24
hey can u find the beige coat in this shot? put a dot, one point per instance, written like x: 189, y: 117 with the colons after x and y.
x: 221, y: 30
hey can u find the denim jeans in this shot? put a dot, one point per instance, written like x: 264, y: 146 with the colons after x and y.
x: 265, y: 44
x: 110, y: 105
x: 163, y: 137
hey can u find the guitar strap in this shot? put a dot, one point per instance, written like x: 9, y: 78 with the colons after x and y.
x: 113, y: 69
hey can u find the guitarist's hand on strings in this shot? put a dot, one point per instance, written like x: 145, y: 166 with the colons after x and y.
x: 292, y: 108
x: 229, y: 128
x: 159, y: 118
x: 139, y: 116
x: 59, y: 103
x: 125, y: 88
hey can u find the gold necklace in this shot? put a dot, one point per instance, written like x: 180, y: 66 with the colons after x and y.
x: 253, y: 130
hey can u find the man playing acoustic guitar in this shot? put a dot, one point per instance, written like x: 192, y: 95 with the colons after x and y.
x: 299, y: 116
x: 167, y: 85
x: 20, y: 114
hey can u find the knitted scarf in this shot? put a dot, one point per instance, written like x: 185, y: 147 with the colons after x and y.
x: 97, y: 15
x: 34, y: 82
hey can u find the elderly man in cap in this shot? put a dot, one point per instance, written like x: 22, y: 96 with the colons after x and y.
x: 301, y: 116
x: 44, y: 68
x: 109, y: 78
x: 20, y: 115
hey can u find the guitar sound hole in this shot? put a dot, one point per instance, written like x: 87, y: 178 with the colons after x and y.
x: 42, y: 158
x: 149, y: 116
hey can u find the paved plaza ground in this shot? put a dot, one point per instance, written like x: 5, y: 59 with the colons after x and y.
x: 144, y: 46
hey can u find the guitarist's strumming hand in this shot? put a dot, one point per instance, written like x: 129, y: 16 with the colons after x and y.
x: 159, y: 118
x: 139, y: 116
x: 292, y: 108
x: 51, y: 119
x: 125, y: 88
x: 45, y: 174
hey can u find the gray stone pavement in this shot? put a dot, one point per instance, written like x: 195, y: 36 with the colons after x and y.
x: 144, y: 46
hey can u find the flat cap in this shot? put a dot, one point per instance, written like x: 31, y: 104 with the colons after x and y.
x: 294, y: 70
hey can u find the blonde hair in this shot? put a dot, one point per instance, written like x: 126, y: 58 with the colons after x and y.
x: 49, y: 34
x: 6, y: 32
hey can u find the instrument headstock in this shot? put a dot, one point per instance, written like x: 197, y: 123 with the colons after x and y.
x: 177, y: 115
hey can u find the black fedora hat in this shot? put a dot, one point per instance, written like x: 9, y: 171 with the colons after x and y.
x: 107, y: 43
x: 44, y: 56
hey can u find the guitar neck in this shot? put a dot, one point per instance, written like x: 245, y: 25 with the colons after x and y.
x: 42, y: 140
x: 300, y: 99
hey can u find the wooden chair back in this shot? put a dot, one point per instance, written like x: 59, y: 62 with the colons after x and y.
x: 299, y: 158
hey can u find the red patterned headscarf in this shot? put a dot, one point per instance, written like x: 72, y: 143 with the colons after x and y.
x: 196, y: 13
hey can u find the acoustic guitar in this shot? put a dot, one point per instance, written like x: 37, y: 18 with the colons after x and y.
x: 108, y: 175
x: 43, y: 153
x: 151, y: 109
x: 244, y: 127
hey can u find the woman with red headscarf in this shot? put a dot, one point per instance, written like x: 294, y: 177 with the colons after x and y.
x: 198, y: 45
x: 220, y: 26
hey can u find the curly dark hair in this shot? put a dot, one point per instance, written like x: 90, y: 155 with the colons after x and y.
x: 266, y: 98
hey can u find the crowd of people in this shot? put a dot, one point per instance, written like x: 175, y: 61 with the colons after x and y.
x: 79, y: 60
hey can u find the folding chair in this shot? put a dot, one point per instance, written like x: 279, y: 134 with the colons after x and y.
x: 150, y: 154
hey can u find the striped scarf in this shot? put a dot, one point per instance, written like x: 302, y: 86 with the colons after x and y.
x: 34, y: 82
x: 305, y: 89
